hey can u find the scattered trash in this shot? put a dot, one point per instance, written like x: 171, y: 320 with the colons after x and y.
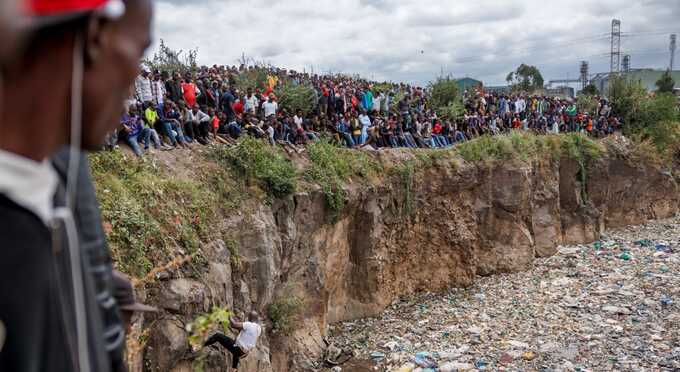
x: 408, y: 367
x: 480, y: 364
x: 582, y: 309
x: 662, y: 248
x: 376, y: 355
x: 665, y: 301
x: 425, y: 360
x: 528, y: 356
x: 506, y: 358
x: 644, y: 243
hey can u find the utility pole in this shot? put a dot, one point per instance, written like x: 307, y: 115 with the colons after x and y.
x: 626, y: 63
x: 584, y: 74
x: 615, y: 60
x: 672, y: 48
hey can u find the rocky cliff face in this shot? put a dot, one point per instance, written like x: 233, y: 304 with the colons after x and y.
x: 456, y: 220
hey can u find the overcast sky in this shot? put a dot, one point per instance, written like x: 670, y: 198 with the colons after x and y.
x: 413, y: 40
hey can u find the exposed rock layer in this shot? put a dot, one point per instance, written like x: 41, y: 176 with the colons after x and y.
x: 457, y: 221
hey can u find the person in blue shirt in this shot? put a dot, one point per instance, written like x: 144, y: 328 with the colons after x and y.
x: 169, y: 119
x: 135, y: 130
x: 227, y: 102
x: 344, y: 132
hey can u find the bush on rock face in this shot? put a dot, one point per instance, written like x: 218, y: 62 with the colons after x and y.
x: 261, y: 163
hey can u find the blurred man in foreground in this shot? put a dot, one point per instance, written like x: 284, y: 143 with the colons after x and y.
x: 80, y: 58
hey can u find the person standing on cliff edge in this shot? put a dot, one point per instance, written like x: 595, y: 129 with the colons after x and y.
x: 246, y: 341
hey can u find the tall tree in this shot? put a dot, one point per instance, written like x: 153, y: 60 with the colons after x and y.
x: 525, y: 78
x: 590, y: 90
x: 665, y: 84
x: 446, y: 98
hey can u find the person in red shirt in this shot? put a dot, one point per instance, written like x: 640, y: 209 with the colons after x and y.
x: 515, y: 122
x: 238, y: 107
x: 214, y: 121
x: 189, y: 91
x: 437, y: 129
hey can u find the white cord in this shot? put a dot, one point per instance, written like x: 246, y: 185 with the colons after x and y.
x: 66, y: 214
x: 76, y: 122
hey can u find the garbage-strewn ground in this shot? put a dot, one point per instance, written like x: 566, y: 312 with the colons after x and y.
x: 607, y: 306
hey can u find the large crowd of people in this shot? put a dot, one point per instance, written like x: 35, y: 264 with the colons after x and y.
x: 176, y: 111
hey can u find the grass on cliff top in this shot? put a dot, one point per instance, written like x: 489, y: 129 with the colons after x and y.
x: 526, y: 146
x: 260, y: 163
x: 149, y: 216
x: 332, y: 166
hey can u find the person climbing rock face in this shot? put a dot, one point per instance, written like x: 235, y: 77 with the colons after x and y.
x: 246, y: 341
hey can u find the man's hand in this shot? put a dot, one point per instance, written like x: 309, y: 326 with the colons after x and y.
x: 235, y: 324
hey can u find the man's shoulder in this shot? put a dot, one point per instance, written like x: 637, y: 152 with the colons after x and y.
x: 14, y: 217
x: 21, y: 228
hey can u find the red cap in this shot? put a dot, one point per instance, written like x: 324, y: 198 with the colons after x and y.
x: 52, y: 11
x: 56, y: 7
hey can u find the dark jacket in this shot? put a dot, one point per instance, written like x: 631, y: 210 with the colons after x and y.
x: 174, y: 90
x: 94, y: 248
x: 37, y: 302
x: 34, y: 302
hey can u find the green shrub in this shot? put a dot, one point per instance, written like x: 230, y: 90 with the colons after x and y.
x: 260, y: 162
x: 292, y: 97
x: 285, y: 314
x: 665, y: 136
x: 252, y: 79
x: 516, y: 144
x: 445, y: 98
x: 203, y: 325
x: 626, y: 96
x: 526, y: 146
x: 583, y: 150
x: 652, y: 111
x: 587, y: 104
x: 331, y: 166
x: 405, y: 178
x: 443, y: 92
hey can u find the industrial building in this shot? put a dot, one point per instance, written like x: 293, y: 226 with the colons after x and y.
x: 648, y: 78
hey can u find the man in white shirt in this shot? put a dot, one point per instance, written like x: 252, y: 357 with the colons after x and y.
x: 158, y: 90
x: 143, y: 87
x: 251, y: 102
x: 297, y: 119
x: 365, y: 124
x: 270, y: 107
x: 245, y: 342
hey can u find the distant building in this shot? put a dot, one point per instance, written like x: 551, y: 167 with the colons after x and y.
x: 562, y: 92
x: 498, y: 89
x: 467, y: 83
x: 648, y: 78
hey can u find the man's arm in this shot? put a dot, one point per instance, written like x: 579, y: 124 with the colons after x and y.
x: 235, y: 324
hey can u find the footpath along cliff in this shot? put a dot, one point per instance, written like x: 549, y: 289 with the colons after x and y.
x: 327, y: 235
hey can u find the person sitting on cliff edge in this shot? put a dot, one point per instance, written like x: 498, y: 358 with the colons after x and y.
x: 246, y: 341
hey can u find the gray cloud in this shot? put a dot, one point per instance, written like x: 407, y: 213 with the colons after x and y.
x: 413, y: 40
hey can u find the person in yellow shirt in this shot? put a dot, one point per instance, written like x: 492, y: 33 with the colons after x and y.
x: 150, y: 120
